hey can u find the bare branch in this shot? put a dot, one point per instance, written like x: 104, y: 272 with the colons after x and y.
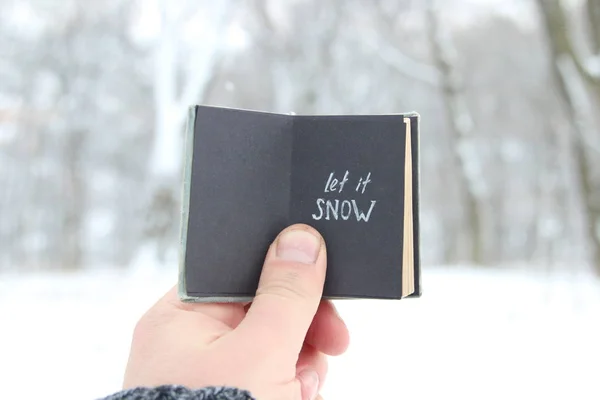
x: 564, y: 66
x: 260, y: 9
x: 197, y: 82
x: 557, y: 25
x: 392, y: 56
x: 402, y: 63
x: 593, y: 14
x: 580, y: 103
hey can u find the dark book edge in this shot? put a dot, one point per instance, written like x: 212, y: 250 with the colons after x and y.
x: 417, y: 209
x: 416, y: 140
x: 410, y: 221
x: 185, y: 202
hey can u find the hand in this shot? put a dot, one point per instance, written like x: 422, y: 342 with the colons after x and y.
x: 275, y: 347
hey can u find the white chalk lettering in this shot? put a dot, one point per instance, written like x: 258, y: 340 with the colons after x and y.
x: 344, y: 181
x: 360, y: 215
x: 332, y: 183
x: 334, y: 209
x: 346, y: 203
x: 363, y: 183
x: 316, y: 218
x: 331, y: 209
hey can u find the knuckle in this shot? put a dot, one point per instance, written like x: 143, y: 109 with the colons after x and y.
x: 148, y: 325
x: 142, y: 329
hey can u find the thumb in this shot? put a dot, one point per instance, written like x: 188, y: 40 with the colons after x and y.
x: 289, y: 290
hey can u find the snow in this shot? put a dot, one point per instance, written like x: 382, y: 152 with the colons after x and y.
x: 475, y: 333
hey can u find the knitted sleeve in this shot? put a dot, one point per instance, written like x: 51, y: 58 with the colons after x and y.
x: 170, y: 392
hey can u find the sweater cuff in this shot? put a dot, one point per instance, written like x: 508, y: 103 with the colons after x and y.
x: 172, y: 392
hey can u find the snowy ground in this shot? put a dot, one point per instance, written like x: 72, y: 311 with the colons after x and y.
x: 474, y: 334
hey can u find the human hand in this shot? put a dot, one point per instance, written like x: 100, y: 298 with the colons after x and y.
x: 275, y: 347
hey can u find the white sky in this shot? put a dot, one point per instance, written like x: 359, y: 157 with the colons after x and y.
x: 199, y: 25
x: 24, y: 18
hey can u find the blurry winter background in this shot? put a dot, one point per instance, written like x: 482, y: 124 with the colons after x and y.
x: 93, y: 99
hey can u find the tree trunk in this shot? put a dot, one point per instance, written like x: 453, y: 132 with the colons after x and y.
x: 593, y: 14
x: 566, y: 70
x: 171, y: 110
x: 74, y: 196
x: 461, y: 128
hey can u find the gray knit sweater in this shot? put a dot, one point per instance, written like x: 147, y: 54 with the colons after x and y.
x: 168, y: 392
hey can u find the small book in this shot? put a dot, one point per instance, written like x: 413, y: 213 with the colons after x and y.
x: 248, y: 175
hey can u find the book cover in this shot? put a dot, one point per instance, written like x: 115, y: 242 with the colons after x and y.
x: 250, y: 174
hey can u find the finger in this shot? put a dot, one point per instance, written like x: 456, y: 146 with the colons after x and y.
x: 311, y: 372
x: 230, y: 314
x: 289, y: 291
x: 328, y: 332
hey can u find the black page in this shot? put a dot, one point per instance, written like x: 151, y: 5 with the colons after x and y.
x: 364, y: 256
x: 239, y: 198
x: 255, y: 173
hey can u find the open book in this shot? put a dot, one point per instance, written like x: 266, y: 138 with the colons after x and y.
x: 249, y: 174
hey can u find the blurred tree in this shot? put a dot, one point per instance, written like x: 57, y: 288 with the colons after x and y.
x: 92, y: 114
x: 175, y: 90
x: 70, y: 80
x: 464, y: 147
x: 569, y: 67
